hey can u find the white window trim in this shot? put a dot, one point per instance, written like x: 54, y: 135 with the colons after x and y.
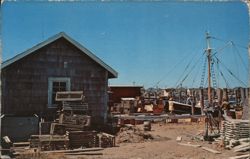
x: 50, y: 84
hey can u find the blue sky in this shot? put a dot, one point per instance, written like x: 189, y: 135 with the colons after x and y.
x: 148, y: 43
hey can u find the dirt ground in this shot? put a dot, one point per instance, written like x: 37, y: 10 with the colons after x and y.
x: 164, y: 145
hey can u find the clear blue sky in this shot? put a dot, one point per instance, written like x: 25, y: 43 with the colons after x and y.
x: 147, y: 43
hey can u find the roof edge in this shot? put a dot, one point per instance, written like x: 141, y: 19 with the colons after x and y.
x: 126, y: 86
x: 91, y: 55
x: 6, y: 63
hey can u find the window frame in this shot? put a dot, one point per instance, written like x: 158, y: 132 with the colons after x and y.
x: 50, y: 87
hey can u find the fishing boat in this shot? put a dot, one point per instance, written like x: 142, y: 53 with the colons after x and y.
x: 211, y: 96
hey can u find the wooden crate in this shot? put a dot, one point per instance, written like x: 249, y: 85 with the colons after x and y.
x: 79, y: 139
x: 106, y: 140
x: 49, y: 142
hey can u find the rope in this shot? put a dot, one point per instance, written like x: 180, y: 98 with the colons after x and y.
x: 195, y: 76
x: 185, y: 77
x: 222, y: 75
x: 227, y: 84
x: 213, y: 76
x: 184, y: 71
x: 222, y: 48
x: 231, y: 73
x: 172, y: 68
x: 223, y: 40
x: 218, y: 77
x: 203, y: 73
x: 237, y: 51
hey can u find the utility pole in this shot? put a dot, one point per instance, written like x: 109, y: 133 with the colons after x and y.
x: 209, y: 50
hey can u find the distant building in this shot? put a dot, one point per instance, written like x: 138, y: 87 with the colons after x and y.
x: 119, y: 91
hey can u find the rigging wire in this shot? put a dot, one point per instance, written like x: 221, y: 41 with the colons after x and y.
x: 203, y: 73
x: 235, y: 60
x: 176, y: 84
x: 222, y: 75
x: 172, y: 68
x: 230, y: 72
x: 185, y: 77
x: 234, y: 46
x: 213, y: 75
x: 218, y: 71
x: 238, y: 53
x: 195, y: 76
x: 185, y: 69
x: 223, y: 40
x: 222, y: 48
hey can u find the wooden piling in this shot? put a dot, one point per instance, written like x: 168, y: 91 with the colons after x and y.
x: 180, y: 95
x: 238, y: 95
x: 212, y: 95
x: 242, y: 95
x: 219, y: 95
x: 247, y: 93
x: 245, y: 114
x: 225, y: 94
x: 194, y: 101
x: 202, y: 100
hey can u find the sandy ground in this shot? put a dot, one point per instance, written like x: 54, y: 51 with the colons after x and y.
x: 165, y: 145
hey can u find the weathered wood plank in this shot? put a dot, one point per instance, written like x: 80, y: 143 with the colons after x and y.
x: 191, y: 145
x: 18, y: 144
x: 240, y: 157
x: 85, y: 153
x: 242, y: 149
x: 75, y: 150
x: 241, y: 146
x: 211, y: 150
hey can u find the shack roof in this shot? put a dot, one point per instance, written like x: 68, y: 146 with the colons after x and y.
x: 112, y: 72
x: 126, y: 86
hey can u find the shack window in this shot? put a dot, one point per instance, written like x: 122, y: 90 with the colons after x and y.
x: 57, y: 87
x: 57, y: 84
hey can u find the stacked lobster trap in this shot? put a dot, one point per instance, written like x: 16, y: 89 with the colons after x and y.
x: 72, y: 128
x: 74, y: 113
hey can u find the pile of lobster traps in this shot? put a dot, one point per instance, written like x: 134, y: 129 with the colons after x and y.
x: 49, y: 142
x: 235, y: 129
x: 79, y: 139
x: 71, y: 129
x: 74, y: 111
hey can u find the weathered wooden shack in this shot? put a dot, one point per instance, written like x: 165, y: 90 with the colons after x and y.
x: 31, y: 79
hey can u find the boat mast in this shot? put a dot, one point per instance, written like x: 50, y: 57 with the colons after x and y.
x: 209, y: 50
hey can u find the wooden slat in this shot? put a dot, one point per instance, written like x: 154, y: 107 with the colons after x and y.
x: 191, y: 145
x: 85, y: 153
x: 211, y: 150
x: 242, y: 149
x: 74, y: 151
x: 17, y: 144
x: 240, y: 157
x: 70, y: 96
